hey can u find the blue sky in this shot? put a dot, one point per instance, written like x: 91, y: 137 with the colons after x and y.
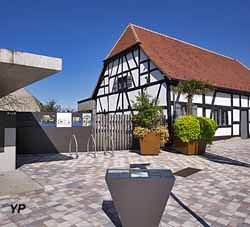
x: 82, y: 33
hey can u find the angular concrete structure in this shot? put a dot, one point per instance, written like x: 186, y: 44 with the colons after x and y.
x: 17, y: 70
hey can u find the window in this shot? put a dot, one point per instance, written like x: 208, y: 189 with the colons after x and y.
x: 220, y: 116
x: 122, y: 83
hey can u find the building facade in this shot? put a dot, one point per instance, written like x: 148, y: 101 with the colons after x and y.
x: 143, y: 59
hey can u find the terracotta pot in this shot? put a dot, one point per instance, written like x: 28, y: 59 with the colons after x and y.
x: 150, y: 144
x: 202, y: 146
x: 190, y: 148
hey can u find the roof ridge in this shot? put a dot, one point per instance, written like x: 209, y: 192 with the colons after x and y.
x: 134, y: 33
x: 196, y: 46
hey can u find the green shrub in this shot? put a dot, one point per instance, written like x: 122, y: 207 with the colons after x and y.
x: 208, y: 128
x: 149, y: 113
x: 187, y: 128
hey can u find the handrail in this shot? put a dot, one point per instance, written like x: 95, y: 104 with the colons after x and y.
x: 93, y: 139
x: 70, y: 145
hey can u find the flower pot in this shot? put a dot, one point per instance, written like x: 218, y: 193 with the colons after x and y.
x: 150, y: 144
x: 202, y: 146
x: 190, y: 148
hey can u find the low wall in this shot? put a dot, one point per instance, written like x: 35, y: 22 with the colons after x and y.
x: 32, y: 138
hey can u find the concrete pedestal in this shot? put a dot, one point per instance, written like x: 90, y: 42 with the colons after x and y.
x: 140, y: 196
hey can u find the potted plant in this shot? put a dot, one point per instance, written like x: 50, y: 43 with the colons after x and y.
x: 208, y: 128
x: 192, y: 134
x: 147, y: 124
x: 187, y: 134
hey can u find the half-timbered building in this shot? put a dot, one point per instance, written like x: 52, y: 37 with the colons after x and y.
x: 144, y: 59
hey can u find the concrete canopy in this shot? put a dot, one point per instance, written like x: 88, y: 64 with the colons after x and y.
x: 19, y: 69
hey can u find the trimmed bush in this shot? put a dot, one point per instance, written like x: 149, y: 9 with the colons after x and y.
x: 187, y: 128
x: 207, y: 128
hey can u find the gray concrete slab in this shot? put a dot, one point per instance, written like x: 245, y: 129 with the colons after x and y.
x: 19, y: 69
x: 15, y: 182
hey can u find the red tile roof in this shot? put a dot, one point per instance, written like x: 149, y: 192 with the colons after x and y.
x: 183, y: 61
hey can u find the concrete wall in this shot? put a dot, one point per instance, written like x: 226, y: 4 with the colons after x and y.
x: 8, y: 141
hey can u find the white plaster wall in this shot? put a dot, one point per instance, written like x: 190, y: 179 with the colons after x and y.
x: 236, y: 115
x: 127, y: 112
x: 197, y: 99
x: 229, y: 117
x: 236, y: 100
x: 144, y: 79
x: 199, y: 112
x: 165, y: 113
x: 111, y: 83
x: 113, y: 71
x: 125, y: 101
x: 100, y: 91
x: 152, y: 65
x: 223, y: 132
x: 132, y: 95
x: 104, y: 102
x: 124, y: 62
x: 153, y: 90
x: 244, y: 101
x: 236, y: 129
x: 98, y: 106
x: 106, y: 80
x: 119, y: 105
x: 119, y: 67
x: 136, y: 55
x: 222, y: 99
x: 135, y: 74
x: 143, y: 56
x: 131, y: 61
x: 208, y: 112
x: 156, y: 75
x: 209, y: 97
x: 182, y: 98
x: 163, y: 95
x: 144, y: 67
x: 112, y: 102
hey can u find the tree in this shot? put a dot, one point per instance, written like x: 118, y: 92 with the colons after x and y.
x: 191, y: 88
x: 149, y: 113
x: 51, y: 106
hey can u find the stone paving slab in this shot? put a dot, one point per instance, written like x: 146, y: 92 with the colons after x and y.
x: 74, y: 190
x: 14, y: 182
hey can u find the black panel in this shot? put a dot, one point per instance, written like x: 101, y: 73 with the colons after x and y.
x: 32, y: 138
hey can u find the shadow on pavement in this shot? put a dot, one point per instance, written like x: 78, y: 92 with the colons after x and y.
x: 196, y: 216
x: 28, y: 159
x: 109, y: 209
x: 223, y: 160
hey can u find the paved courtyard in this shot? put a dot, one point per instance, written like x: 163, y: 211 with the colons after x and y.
x: 74, y: 189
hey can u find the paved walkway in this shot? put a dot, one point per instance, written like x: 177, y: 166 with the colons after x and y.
x: 74, y: 190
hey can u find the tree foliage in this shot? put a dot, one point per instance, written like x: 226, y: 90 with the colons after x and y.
x: 149, y: 113
x: 191, y: 88
x: 51, y: 106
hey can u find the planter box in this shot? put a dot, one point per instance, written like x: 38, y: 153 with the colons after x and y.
x: 202, y: 144
x: 190, y: 148
x: 150, y: 144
